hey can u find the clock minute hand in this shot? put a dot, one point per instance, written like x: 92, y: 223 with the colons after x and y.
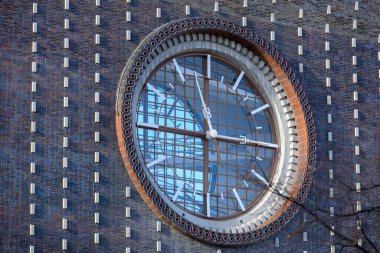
x: 244, y: 140
x: 211, y: 133
x: 206, y: 110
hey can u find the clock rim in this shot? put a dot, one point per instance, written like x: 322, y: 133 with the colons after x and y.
x: 256, y: 216
x: 218, y: 27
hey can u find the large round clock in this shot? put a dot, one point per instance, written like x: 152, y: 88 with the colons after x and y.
x: 215, y: 131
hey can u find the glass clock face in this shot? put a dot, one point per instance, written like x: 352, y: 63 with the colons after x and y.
x: 206, y: 136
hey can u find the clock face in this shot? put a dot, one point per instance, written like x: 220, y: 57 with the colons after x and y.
x: 206, y: 135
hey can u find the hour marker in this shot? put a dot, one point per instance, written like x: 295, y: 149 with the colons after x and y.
x: 262, y: 179
x: 178, y: 70
x: 143, y: 124
x: 156, y: 161
x: 259, y: 127
x: 245, y: 183
x: 238, y: 80
x: 222, y: 79
x: 258, y: 158
x: 263, y: 107
x: 179, y: 189
x: 245, y: 99
x: 171, y: 86
x: 162, y: 96
x: 208, y: 66
x: 208, y: 204
x: 221, y: 195
x: 238, y: 199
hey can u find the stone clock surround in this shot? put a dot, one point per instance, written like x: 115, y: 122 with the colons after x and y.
x: 224, y: 38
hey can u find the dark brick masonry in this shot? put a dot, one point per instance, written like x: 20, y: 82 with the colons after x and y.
x: 16, y: 75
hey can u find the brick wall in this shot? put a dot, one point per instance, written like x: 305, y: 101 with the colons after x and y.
x: 16, y: 77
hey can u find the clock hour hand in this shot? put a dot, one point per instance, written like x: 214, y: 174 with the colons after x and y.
x: 170, y: 129
x: 245, y: 141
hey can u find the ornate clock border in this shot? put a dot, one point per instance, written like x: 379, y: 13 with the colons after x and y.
x: 296, y: 98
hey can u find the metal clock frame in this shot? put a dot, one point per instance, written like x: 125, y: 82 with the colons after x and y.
x: 147, y: 49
